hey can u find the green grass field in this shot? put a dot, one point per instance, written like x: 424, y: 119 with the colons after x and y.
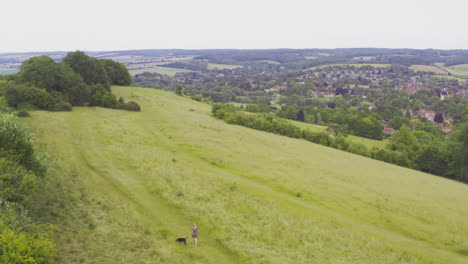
x: 212, y: 66
x: 122, y: 186
x: 161, y: 70
x: 428, y: 68
x: 460, y: 71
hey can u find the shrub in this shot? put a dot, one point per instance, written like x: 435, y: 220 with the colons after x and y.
x: 130, y: 106
x: 14, y: 137
x: 15, y: 182
x: 22, y: 96
x: 60, y: 106
x: 197, y: 97
x: 179, y: 90
x: 23, y: 113
x: 25, y: 248
x: 4, y: 108
x: 16, y: 141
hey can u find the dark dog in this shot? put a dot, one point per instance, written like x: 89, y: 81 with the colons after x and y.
x: 182, y: 240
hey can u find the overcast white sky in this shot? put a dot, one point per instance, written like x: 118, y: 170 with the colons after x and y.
x: 51, y: 25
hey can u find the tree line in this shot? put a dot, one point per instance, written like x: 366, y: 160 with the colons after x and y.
x: 22, y: 240
x: 79, y: 80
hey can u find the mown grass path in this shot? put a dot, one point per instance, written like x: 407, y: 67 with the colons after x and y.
x: 133, y: 182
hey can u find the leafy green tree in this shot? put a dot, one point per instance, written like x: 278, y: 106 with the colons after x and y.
x: 25, y: 248
x: 16, y: 183
x: 432, y: 160
x: 89, y: 68
x: 117, y: 72
x: 253, y: 108
x: 18, y: 94
x: 40, y: 71
x: 438, y: 118
x: 179, y: 90
x: 58, y: 78
x: 458, y: 152
x: 404, y: 140
x: 15, y: 139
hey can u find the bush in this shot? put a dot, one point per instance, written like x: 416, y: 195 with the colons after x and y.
x: 15, y: 182
x: 19, y: 95
x: 25, y: 248
x: 60, y: 106
x: 4, y: 108
x: 197, y: 97
x: 23, y: 113
x: 15, y: 138
x: 130, y: 106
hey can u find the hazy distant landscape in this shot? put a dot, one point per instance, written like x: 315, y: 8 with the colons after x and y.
x: 279, y: 156
x: 243, y: 132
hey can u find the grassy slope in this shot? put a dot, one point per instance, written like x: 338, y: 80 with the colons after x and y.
x: 125, y: 185
x: 460, y: 70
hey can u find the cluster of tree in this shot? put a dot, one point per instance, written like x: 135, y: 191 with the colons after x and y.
x: 359, y: 123
x: 418, y: 149
x: 76, y: 81
x: 21, y: 239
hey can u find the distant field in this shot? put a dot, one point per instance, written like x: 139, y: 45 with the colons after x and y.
x: 269, y: 61
x: 364, y: 58
x: 351, y: 64
x: 448, y: 77
x: 161, y: 70
x: 181, y: 58
x: 460, y: 70
x: 428, y: 68
x: 366, y: 141
x: 6, y: 71
x: 212, y: 66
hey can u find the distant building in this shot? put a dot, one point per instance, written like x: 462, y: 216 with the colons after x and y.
x: 388, y: 130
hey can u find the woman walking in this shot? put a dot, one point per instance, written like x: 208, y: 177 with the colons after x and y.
x: 195, y: 233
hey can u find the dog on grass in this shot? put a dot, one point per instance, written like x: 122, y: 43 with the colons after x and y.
x: 182, y: 240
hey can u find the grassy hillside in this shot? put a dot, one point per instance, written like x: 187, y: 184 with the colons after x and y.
x: 428, y: 68
x: 460, y: 70
x: 124, y: 185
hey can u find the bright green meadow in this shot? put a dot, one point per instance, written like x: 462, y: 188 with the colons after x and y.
x: 460, y: 70
x: 122, y: 186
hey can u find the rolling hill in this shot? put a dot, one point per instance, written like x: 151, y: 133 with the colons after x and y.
x: 122, y: 186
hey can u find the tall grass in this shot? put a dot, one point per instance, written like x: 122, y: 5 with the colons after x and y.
x: 136, y: 181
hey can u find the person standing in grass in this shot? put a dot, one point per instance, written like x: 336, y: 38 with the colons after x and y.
x: 195, y: 233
